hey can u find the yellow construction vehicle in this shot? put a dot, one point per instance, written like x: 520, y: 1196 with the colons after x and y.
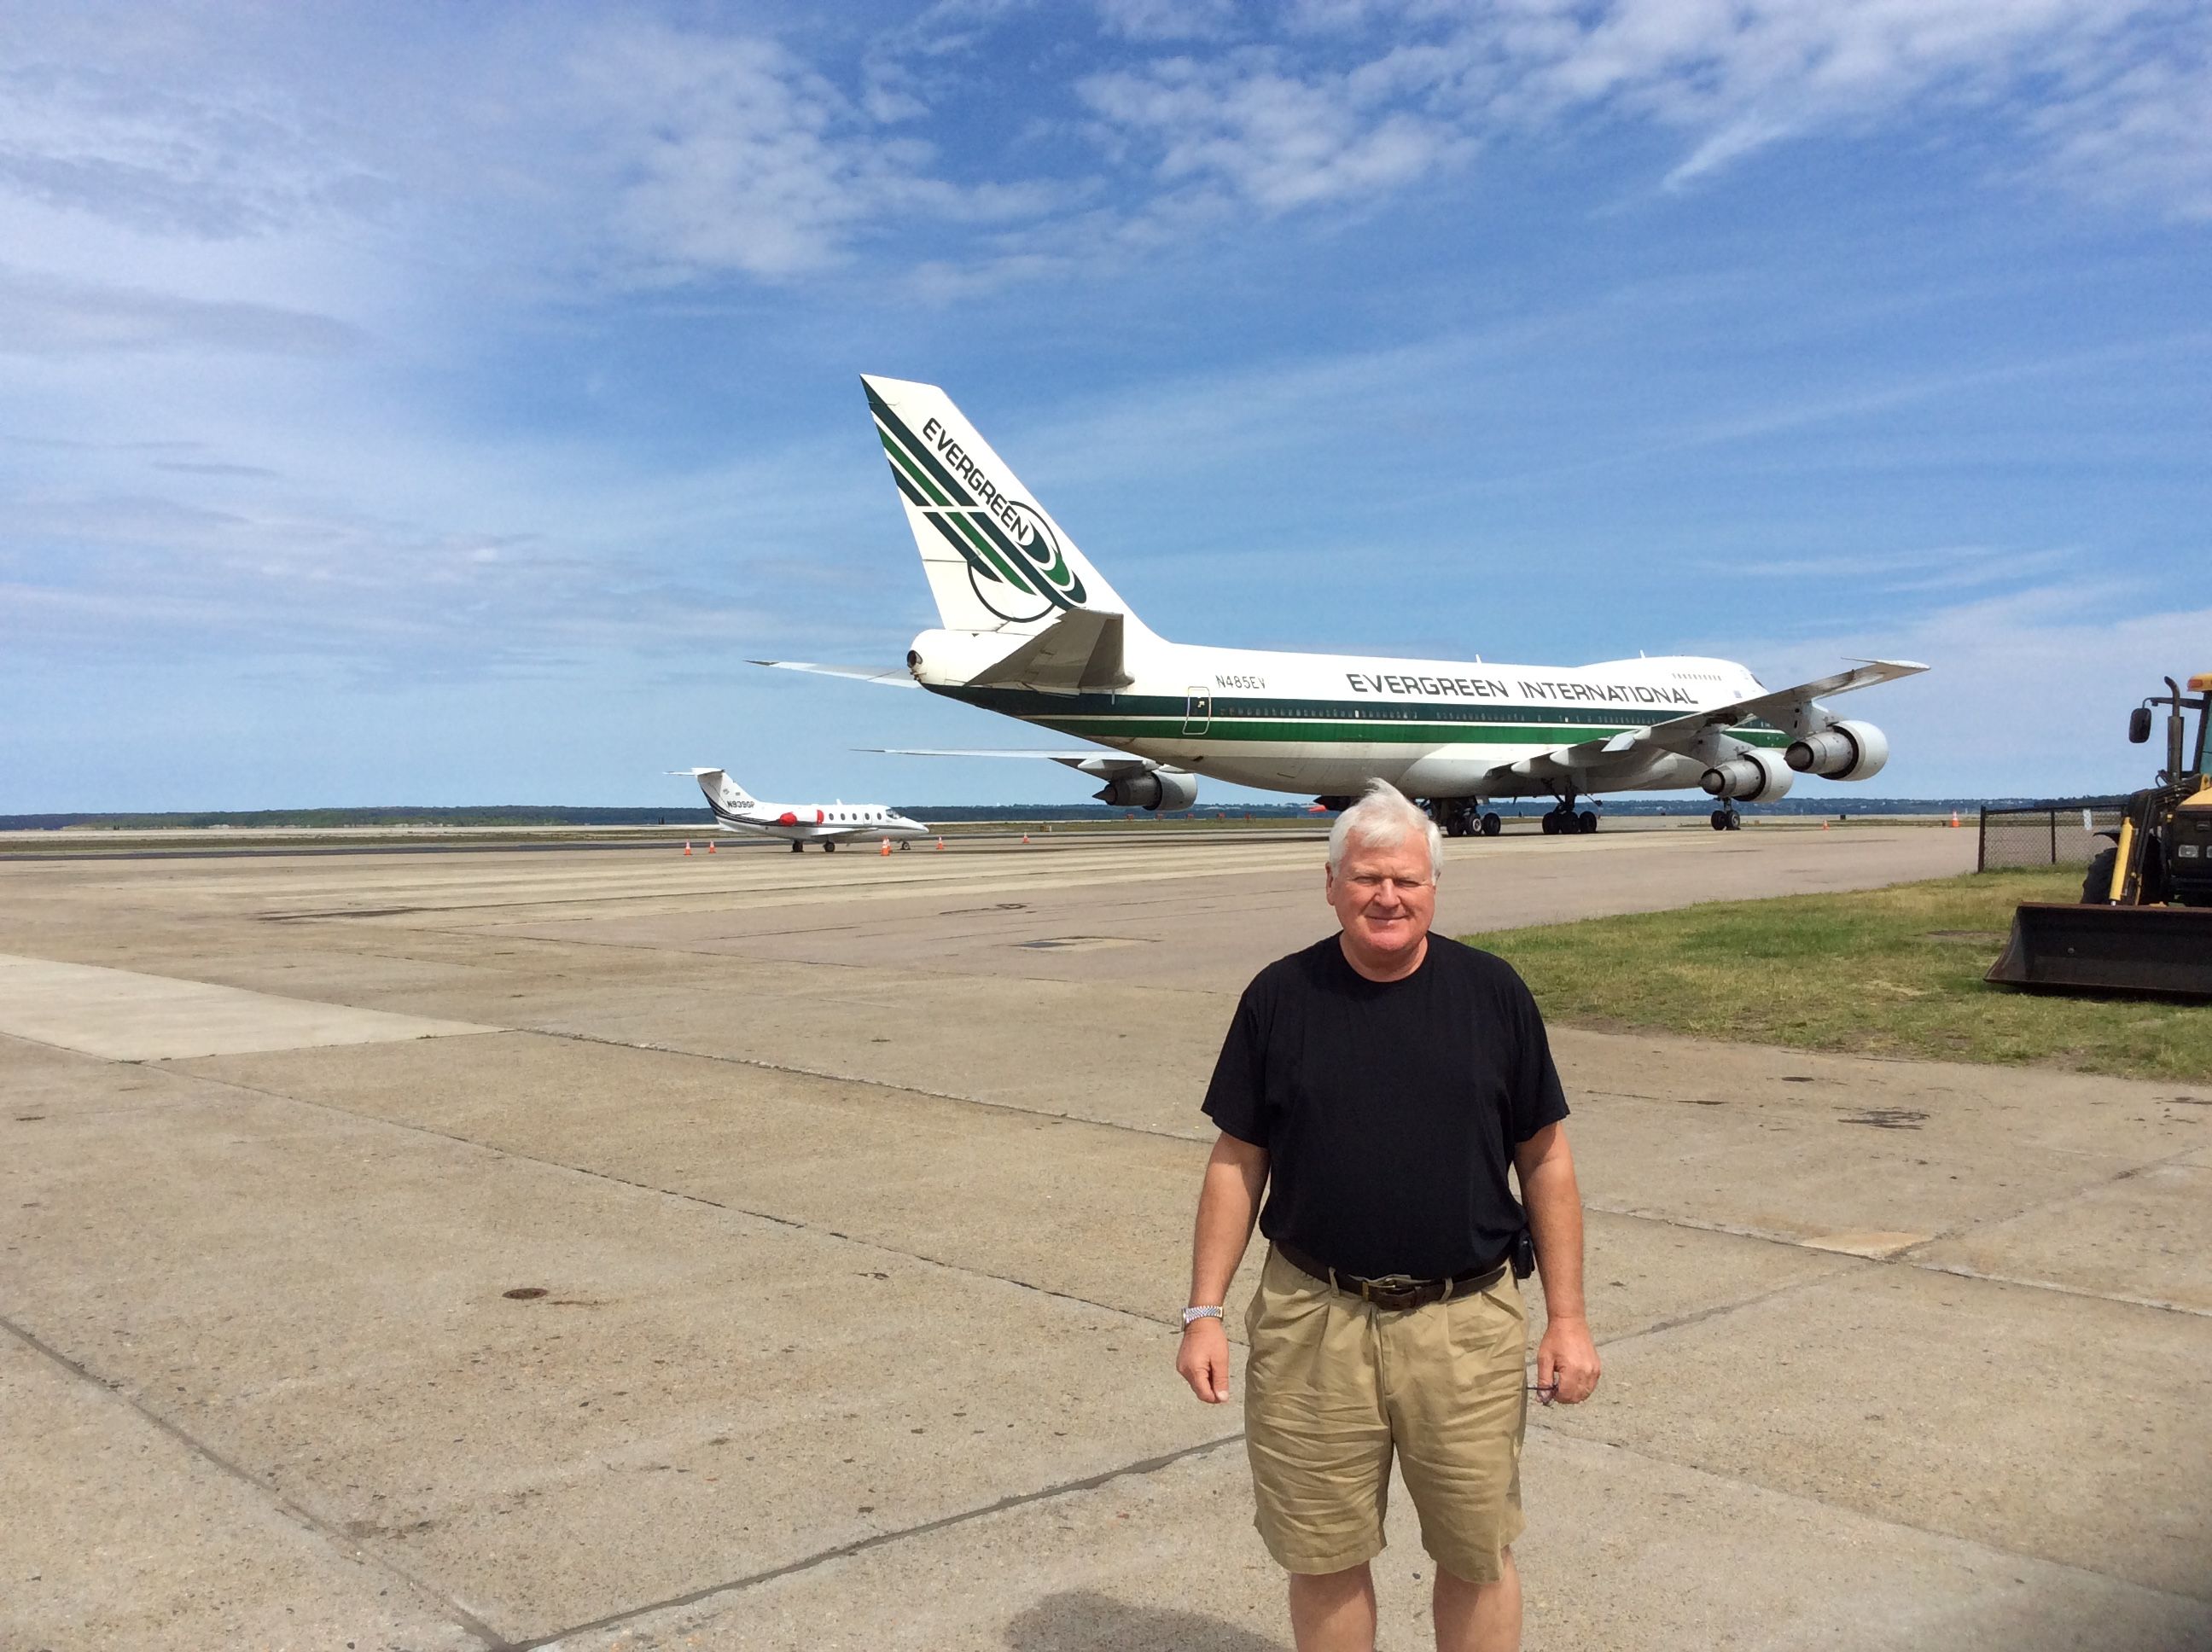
x: 2144, y: 923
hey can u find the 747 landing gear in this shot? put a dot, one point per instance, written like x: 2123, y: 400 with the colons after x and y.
x: 1463, y: 817
x: 1725, y: 819
x: 1455, y: 816
x: 1562, y: 818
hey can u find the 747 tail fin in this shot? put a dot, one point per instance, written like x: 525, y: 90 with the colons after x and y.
x: 996, y: 561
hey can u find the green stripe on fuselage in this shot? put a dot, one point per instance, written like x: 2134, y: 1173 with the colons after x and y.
x: 1329, y: 722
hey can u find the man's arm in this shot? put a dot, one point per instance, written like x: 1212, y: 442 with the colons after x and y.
x: 1566, y: 1355
x: 1228, y: 1200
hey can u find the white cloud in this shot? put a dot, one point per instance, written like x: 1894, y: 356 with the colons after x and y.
x: 43, y: 316
x: 732, y: 156
x: 185, y: 157
x: 650, y: 154
x: 1169, y: 20
x: 2114, y: 97
x: 2027, y: 694
x: 1277, y: 140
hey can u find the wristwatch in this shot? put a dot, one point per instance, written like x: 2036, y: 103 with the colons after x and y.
x: 1192, y: 1315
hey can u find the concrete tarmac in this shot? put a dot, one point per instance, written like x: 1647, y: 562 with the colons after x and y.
x: 767, y: 1251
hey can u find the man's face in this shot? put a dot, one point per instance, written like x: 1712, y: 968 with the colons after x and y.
x: 1385, y: 896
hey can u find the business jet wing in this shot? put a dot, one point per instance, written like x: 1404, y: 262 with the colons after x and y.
x: 895, y: 677
x: 1106, y: 765
x: 1591, y: 763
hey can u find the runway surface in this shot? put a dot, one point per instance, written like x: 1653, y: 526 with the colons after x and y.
x: 774, y: 1251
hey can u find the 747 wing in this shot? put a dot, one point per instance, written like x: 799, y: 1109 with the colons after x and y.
x: 1593, y: 765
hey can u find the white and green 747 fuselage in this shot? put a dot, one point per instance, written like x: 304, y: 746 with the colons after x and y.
x: 1032, y: 630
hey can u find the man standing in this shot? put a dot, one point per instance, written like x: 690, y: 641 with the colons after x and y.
x: 1378, y: 1085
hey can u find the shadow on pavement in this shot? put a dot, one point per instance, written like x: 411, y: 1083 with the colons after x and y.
x: 1084, y: 1621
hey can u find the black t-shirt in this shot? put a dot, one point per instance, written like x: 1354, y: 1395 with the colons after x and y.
x: 1389, y: 1109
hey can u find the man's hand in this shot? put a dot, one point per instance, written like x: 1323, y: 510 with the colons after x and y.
x: 1203, y: 1360
x: 1567, y: 1358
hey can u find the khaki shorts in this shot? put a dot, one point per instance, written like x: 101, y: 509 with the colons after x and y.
x: 1333, y: 1385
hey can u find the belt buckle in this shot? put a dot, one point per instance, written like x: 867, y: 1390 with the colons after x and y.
x: 1391, y: 1291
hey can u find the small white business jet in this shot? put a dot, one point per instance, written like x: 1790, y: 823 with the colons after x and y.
x: 1032, y: 630
x: 799, y: 823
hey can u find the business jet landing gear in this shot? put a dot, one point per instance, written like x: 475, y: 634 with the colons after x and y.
x: 797, y: 848
x: 829, y: 846
x: 1725, y: 819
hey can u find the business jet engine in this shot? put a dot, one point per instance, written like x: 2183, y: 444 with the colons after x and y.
x: 1841, y: 752
x: 1754, y: 776
x: 1156, y: 789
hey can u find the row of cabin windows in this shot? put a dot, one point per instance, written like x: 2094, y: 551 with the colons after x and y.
x: 1445, y: 714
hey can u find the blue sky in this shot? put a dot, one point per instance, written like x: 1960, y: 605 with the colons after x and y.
x: 438, y: 404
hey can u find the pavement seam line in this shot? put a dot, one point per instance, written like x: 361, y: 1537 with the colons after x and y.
x: 1133, y: 872
x: 795, y: 1224
x: 1982, y: 1544
x: 350, y: 1548
x: 1144, y: 1466
x: 2043, y: 1206
x: 1905, y: 1259
x: 1845, y: 1264
x: 797, y: 1070
x: 1960, y: 1271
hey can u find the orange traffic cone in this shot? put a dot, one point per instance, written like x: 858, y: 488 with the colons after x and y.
x: 1954, y: 818
x: 710, y: 846
x: 687, y: 846
x: 1026, y: 837
x: 1823, y: 825
x: 940, y: 846
x: 886, y: 849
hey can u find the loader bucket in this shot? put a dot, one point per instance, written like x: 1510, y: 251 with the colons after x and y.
x: 2105, y: 948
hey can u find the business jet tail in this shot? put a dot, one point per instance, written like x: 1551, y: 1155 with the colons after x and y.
x: 996, y: 560
x: 723, y: 793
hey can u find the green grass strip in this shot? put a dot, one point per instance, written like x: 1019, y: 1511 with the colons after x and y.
x: 1892, y: 972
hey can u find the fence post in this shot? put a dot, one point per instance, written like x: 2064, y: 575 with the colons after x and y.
x: 2054, y: 837
x: 1982, y: 840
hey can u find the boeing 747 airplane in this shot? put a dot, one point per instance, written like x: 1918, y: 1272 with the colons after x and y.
x: 1032, y: 629
x: 798, y: 824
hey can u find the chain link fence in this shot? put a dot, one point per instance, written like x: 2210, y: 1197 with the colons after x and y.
x: 2056, y: 833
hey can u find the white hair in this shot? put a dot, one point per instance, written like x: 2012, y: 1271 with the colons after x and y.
x: 1383, y: 814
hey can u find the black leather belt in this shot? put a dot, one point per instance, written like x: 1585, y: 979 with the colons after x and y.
x: 1397, y: 1291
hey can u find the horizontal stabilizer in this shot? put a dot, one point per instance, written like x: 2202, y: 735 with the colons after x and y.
x: 1080, y: 653
x: 896, y: 677
x: 1106, y: 765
